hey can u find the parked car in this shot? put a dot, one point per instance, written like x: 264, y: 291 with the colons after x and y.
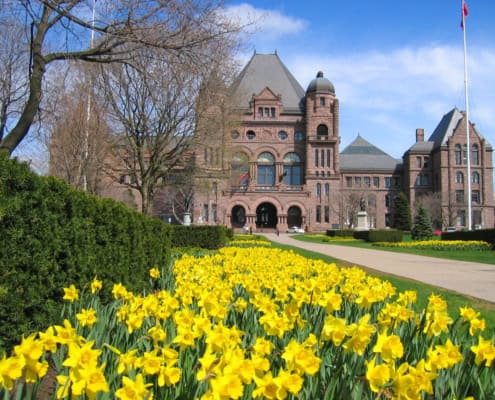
x: 450, y: 229
x: 295, y: 229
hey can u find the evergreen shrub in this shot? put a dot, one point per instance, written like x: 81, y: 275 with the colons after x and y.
x: 53, y: 236
x: 207, y: 237
x: 385, y: 235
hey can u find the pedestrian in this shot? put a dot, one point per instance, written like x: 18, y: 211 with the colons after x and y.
x: 277, y: 231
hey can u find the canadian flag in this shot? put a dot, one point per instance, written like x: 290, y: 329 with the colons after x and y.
x: 464, y: 13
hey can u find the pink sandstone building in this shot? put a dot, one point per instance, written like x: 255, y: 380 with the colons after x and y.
x: 282, y: 166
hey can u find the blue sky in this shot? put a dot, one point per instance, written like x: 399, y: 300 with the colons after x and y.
x: 396, y: 65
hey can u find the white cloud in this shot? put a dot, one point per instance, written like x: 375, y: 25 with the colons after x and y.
x: 387, y: 95
x: 271, y: 24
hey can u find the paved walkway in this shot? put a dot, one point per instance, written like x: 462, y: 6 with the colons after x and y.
x: 469, y: 278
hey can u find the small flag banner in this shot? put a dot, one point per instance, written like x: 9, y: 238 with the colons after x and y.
x: 464, y: 13
x: 243, y: 179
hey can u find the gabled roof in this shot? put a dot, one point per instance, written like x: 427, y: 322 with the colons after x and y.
x: 267, y: 70
x: 445, y: 129
x: 361, y: 155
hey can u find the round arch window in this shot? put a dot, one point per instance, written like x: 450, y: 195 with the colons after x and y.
x: 250, y: 135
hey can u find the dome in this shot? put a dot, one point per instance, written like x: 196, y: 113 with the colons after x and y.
x: 320, y: 85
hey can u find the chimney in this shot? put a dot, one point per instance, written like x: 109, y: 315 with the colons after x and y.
x: 420, y: 135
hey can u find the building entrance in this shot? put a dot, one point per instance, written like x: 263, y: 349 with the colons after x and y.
x: 266, y: 216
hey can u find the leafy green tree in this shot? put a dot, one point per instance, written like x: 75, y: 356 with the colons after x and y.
x: 402, y: 216
x: 422, y: 228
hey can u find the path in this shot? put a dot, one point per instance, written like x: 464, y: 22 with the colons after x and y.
x: 469, y: 278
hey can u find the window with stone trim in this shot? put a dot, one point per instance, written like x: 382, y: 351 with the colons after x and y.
x: 458, y: 154
x: 475, y: 155
x: 318, y: 214
x: 475, y: 177
x: 459, y: 177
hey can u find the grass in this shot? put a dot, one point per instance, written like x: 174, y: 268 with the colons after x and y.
x: 454, y: 300
x: 485, y: 257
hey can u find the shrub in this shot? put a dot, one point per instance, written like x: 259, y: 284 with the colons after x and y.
x: 385, y: 235
x: 53, y: 236
x: 486, y: 235
x: 206, y: 237
x: 422, y: 228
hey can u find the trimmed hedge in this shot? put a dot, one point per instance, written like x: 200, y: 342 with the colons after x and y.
x: 385, y: 235
x: 53, y: 236
x: 207, y: 237
x: 486, y: 235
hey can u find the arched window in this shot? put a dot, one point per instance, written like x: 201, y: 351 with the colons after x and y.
x: 322, y: 130
x: 322, y: 158
x: 327, y: 189
x: 238, y: 216
x: 266, y: 169
x: 458, y: 155
x: 240, y: 169
x: 464, y: 154
x: 475, y: 155
x: 476, y: 177
x: 318, y: 190
x: 459, y: 177
x: 292, y: 174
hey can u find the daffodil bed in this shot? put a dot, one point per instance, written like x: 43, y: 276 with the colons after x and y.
x: 445, y: 245
x: 256, y: 323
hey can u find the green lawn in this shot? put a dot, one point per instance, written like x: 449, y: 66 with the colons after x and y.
x: 486, y: 257
x: 454, y: 300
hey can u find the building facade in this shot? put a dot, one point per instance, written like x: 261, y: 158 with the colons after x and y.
x: 282, y: 165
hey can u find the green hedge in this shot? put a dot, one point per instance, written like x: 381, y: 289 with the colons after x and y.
x: 486, y: 235
x: 207, y: 237
x: 385, y: 235
x: 341, y: 232
x: 53, y: 236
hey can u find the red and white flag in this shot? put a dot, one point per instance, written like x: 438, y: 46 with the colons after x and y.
x: 464, y: 13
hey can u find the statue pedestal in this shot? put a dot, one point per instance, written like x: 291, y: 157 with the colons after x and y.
x: 362, y: 221
x: 187, y: 219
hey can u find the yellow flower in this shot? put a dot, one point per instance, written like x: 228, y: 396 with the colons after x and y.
x: 96, y: 285
x: 227, y: 387
x: 290, y: 382
x: 155, y: 273
x: 10, y: 370
x: 49, y: 339
x: 266, y: 387
x: 389, y: 347
x: 127, y: 361
x: 87, y: 317
x: 377, y: 375
x: 168, y: 376
x: 71, y: 293
x: 334, y: 329
x: 157, y: 334
x: 484, y: 351
x: 133, y: 390
x: 301, y: 359
x: 82, y: 356
x: 65, y: 334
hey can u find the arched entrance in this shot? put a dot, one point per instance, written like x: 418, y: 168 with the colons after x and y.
x: 294, y: 216
x: 238, y: 217
x: 266, y: 216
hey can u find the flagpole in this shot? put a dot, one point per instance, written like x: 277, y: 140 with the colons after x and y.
x: 468, y: 158
x: 88, y: 112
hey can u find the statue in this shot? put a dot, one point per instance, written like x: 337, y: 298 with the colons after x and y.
x: 362, y: 204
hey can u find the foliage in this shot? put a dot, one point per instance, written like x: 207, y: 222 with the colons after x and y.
x: 341, y: 232
x: 487, y: 235
x: 451, y: 245
x: 204, y: 236
x: 422, y: 228
x: 402, y: 214
x: 385, y: 235
x: 222, y: 327
x: 53, y: 236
